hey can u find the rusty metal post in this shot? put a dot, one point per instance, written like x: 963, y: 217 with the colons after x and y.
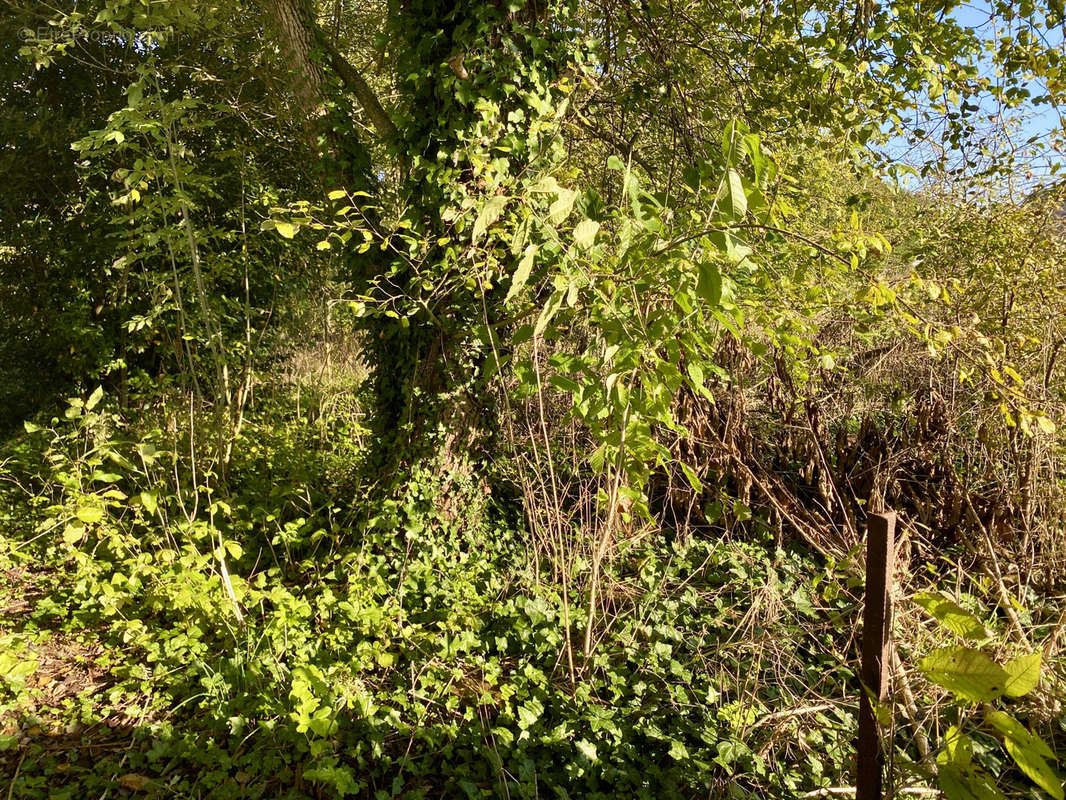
x: 876, y: 653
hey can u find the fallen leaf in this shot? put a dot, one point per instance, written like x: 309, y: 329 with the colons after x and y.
x: 133, y: 782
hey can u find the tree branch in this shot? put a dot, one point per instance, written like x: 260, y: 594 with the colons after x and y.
x: 355, y: 82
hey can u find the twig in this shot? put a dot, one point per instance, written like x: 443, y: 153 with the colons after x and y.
x: 792, y: 712
x: 14, y: 778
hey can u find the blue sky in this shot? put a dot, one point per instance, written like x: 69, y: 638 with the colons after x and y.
x: 1037, y: 165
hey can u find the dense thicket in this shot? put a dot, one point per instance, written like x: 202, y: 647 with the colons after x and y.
x: 486, y: 399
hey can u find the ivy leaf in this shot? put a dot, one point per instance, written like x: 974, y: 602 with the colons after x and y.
x: 585, y: 233
x: 1023, y: 674
x: 341, y: 779
x: 529, y: 712
x: 1028, y: 751
x: 969, y: 673
x: 952, y: 616
x: 586, y: 748
x: 490, y: 212
x: 521, y: 275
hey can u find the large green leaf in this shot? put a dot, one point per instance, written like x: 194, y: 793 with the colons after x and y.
x: 966, y: 783
x: 490, y: 212
x: 952, y: 616
x: 969, y: 673
x: 734, y: 248
x: 585, y: 233
x: 551, y: 308
x: 1028, y: 751
x: 958, y: 749
x: 521, y: 274
x: 736, y: 199
x: 94, y: 398
x: 709, y: 283
x: 90, y: 515
x: 563, y: 205
x: 1023, y: 674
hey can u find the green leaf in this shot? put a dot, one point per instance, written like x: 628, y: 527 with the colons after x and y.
x: 737, y: 200
x: 337, y: 194
x: 551, y: 308
x: 587, y: 749
x: 565, y: 384
x: 709, y: 283
x: 521, y: 275
x: 734, y: 248
x: 341, y: 779
x: 678, y: 751
x: 286, y: 229
x: 490, y: 212
x: 692, y: 478
x: 73, y: 534
x: 90, y: 515
x: 732, y: 130
x: 546, y: 185
x: 969, y: 673
x: 1023, y: 674
x: 94, y: 398
x: 952, y: 616
x: 563, y: 205
x: 521, y: 237
x: 961, y: 783
x: 585, y: 233
x: 1012, y: 729
x: 1028, y: 751
x: 958, y: 749
x: 529, y: 713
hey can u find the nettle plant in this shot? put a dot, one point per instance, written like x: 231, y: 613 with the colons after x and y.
x: 980, y: 684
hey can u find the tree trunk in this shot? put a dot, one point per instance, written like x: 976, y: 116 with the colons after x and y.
x: 292, y: 20
x: 341, y: 158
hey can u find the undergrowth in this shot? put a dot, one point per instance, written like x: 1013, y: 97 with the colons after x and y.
x: 291, y: 640
x: 393, y: 653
